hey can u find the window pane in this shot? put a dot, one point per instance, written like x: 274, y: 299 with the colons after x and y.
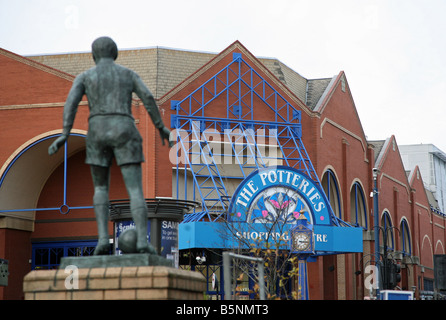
x: 49, y: 254
x: 357, y: 206
x: 330, y: 186
x: 405, y: 239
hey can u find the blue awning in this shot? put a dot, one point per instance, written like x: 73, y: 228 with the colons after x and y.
x: 213, y: 235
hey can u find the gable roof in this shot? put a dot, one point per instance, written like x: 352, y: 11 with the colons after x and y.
x: 377, y: 146
x: 256, y: 63
x: 159, y: 68
x: 36, y: 64
x: 382, y: 149
x: 25, y: 82
x: 385, y: 150
x: 315, y: 90
x: 415, y: 178
x: 162, y: 69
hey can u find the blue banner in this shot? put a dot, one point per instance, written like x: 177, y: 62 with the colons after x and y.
x: 327, y: 239
x: 264, y: 208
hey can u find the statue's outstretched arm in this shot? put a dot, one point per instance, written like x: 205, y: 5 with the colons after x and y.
x: 70, y: 108
x: 149, y: 103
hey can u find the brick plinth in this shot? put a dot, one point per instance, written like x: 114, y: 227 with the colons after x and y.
x: 117, y: 283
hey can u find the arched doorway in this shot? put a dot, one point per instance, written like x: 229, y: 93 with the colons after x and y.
x: 24, y: 175
x: 52, y: 196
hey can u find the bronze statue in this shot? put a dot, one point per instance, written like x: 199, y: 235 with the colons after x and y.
x: 112, y: 133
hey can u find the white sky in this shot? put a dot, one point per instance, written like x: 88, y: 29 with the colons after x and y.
x: 393, y: 51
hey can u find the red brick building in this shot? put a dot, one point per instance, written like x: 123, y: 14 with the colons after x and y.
x: 45, y: 202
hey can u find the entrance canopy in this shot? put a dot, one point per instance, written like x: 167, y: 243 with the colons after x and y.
x: 209, y: 235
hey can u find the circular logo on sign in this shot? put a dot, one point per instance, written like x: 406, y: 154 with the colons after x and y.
x: 278, y: 204
x: 279, y: 194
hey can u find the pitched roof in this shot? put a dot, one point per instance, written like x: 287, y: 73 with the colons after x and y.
x: 377, y: 146
x: 315, y: 90
x: 159, y: 68
x: 164, y: 68
x: 36, y: 64
x: 25, y: 82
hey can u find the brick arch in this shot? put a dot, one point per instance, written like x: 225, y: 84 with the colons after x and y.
x: 341, y: 209
x: 353, y: 197
x: 427, y: 252
x: 26, y: 171
x: 439, y: 247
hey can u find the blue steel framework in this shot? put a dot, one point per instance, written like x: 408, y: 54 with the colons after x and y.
x: 242, y: 87
x: 198, y: 133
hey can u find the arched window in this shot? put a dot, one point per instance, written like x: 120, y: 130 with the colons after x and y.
x: 405, y: 238
x: 358, y: 209
x: 387, y: 231
x: 330, y: 186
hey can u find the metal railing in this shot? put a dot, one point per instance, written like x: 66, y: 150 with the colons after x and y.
x: 227, y: 258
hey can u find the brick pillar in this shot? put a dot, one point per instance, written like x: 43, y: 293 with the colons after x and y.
x: 115, y: 283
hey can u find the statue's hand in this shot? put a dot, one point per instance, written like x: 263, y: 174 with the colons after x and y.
x: 165, y: 135
x: 54, y: 147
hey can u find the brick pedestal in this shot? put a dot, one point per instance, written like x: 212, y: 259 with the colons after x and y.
x: 115, y: 283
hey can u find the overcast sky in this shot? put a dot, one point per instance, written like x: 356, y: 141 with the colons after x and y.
x: 393, y: 52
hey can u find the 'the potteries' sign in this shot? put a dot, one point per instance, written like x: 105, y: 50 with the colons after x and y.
x: 279, y: 194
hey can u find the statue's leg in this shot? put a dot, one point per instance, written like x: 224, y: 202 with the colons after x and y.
x: 101, y: 181
x: 133, y: 181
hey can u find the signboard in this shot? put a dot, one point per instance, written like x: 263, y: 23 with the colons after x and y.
x: 169, y: 237
x: 396, y: 295
x: 279, y: 194
x: 327, y: 239
x: 263, y: 210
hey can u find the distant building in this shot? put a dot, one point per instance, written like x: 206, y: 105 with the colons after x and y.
x: 432, y: 164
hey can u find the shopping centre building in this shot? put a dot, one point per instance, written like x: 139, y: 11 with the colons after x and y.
x: 257, y: 146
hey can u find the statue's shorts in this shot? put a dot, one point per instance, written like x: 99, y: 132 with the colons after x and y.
x: 113, y: 136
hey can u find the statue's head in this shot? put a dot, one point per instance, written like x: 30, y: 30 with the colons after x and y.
x: 104, y: 47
